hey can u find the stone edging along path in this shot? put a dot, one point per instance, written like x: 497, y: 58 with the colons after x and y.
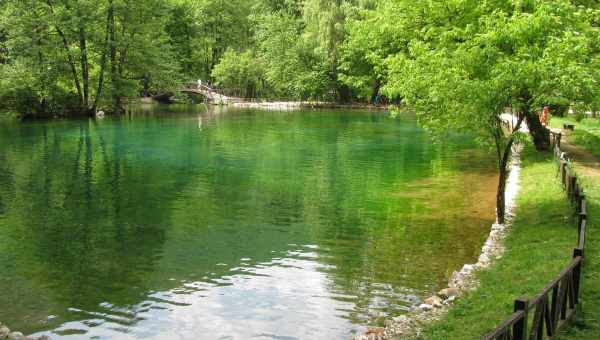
x: 461, y: 281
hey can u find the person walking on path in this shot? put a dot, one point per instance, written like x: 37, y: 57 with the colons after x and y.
x: 545, y: 116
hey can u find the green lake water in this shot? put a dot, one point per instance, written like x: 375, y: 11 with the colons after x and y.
x: 234, y: 224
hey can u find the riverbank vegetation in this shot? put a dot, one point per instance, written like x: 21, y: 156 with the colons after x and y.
x: 530, y: 260
x: 464, y: 63
x: 583, y: 145
x: 66, y: 57
x: 459, y: 65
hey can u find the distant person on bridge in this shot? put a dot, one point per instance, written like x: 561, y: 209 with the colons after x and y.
x: 199, y: 83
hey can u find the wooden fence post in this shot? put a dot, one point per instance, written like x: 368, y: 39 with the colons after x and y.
x: 578, y: 252
x: 559, y: 139
x: 563, y: 172
x: 581, y: 229
x: 520, y: 328
x: 580, y: 199
x: 571, y: 187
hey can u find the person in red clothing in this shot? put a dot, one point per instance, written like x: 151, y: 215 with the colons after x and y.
x: 545, y: 116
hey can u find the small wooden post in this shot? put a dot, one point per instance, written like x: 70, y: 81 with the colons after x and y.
x: 559, y: 139
x: 578, y: 252
x: 563, y: 172
x: 572, y: 182
x: 520, y: 328
x: 581, y: 198
x: 581, y: 229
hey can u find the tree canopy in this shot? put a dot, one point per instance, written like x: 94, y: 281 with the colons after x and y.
x: 449, y: 59
x: 461, y: 64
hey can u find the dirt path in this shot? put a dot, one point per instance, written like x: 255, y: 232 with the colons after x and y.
x: 585, y: 162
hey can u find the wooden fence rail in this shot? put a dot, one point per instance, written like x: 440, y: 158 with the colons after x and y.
x: 544, y: 315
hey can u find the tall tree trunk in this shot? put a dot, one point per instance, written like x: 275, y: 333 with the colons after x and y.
x: 70, y: 59
x: 84, y: 64
x: 114, y: 72
x: 539, y: 133
x: 375, y: 92
x: 43, y: 103
x: 107, y: 45
x: 501, y: 194
x: 504, y: 157
x: 71, y: 62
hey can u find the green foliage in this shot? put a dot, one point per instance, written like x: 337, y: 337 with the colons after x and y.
x: 70, y: 57
x: 490, y: 57
x: 558, y: 106
x: 240, y: 73
x: 460, y: 62
x: 293, y: 69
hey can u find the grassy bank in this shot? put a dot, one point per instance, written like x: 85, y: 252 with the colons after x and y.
x: 587, y: 323
x: 538, y: 247
x: 587, y: 137
x: 586, y: 134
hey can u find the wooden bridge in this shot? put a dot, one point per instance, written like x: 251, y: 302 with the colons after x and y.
x: 212, y: 96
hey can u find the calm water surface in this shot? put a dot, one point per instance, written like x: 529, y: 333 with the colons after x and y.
x: 232, y: 225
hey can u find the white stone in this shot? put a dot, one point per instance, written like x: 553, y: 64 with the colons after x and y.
x: 16, y: 336
x: 425, y: 307
x: 4, y: 332
x: 402, y: 318
x: 434, y: 301
x: 468, y: 268
x: 448, y: 293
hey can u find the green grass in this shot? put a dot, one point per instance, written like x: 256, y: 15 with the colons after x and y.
x: 540, y: 244
x: 587, y: 324
x: 586, y: 134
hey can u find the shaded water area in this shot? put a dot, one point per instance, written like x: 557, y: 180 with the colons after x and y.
x: 232, y: 224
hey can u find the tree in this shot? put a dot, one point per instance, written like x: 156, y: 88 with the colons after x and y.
x: 373, y: 36
x: 222, y: 24
x: 292, y: 68
x: 240, y: 73
x: 471, y: 60
x: 70, y: 51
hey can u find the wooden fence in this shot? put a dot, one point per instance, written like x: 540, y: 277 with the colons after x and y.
x: 554, y: 306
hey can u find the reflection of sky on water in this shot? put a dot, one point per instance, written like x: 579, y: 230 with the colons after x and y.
x: 262, y: 301
x: 250, y: 224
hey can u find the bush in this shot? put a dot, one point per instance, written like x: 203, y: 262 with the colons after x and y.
x: 239, y: 73
x: 559, y: 107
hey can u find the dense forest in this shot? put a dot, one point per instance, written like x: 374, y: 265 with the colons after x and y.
x: 79, y: 56
x: 70, y: 57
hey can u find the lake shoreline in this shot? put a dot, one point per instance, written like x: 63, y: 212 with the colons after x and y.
x: 6, y: 333
x: 231, y: 181
x: 292, y: 105
x: 461, y: 282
